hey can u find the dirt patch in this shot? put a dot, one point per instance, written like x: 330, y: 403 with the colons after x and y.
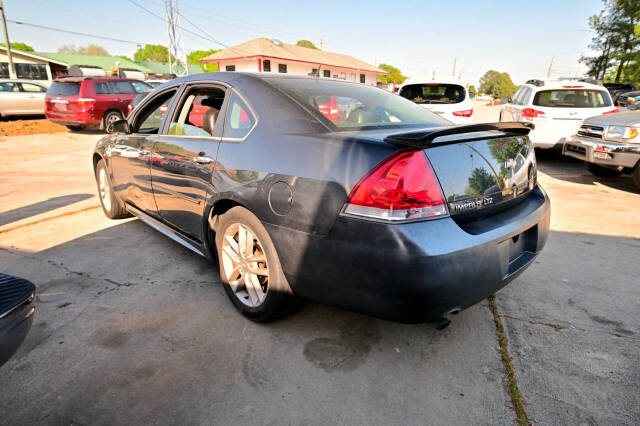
x: 29, y: 127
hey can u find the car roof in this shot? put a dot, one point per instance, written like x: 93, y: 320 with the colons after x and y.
x: 440, y: 80
x: 20, y: 80
x: 564, y: 84
x: 81, y: 79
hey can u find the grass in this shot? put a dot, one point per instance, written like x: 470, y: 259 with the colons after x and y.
x: 516, y: 397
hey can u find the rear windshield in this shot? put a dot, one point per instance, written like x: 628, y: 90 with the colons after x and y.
x: 433, y: 93
x: 64, y: 89
x: 350, y: 106
x: 572, y: 98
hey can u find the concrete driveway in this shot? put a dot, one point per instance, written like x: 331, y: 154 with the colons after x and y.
x: 132, y: 328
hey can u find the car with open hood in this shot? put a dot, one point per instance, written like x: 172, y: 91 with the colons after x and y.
x: 381, y: 207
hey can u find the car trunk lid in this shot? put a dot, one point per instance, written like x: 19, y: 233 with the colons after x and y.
x: 480, y: 167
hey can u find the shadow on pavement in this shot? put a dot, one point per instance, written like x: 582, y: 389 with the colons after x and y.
x: 40, y: 207
x: 132, y: 325
x: 569, y: 169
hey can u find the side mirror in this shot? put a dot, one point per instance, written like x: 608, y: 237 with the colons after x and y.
x: 119, y: 126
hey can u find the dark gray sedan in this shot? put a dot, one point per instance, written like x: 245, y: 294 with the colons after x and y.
x: 609, y: 145
x: 327, y: 190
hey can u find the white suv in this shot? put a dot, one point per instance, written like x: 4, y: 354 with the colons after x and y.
x: 556, y: 107
x: 449, y: 100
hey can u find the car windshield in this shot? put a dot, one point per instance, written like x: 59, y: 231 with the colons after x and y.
x: 582, y: 98
x: 64, y: 89
x: 350, y: 106
x: 433, y: 93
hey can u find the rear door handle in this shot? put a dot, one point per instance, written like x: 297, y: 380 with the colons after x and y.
x: 203, y: 159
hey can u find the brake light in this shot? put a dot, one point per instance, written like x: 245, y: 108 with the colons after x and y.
x: 129, y: 108
x: 613, y: 111
x: 530, y: 113
x: 433, y: 84
x: 572, y: 87
x: 85, y: 104
x: 402, y: 187
x: 465, y: 113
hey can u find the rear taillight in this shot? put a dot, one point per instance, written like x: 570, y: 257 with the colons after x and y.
x: 85, y: 104
x: 530, y: 113
x: 465, y: 113
x: 402, y: 187
x: 613, y: 111
x: 129, y: 108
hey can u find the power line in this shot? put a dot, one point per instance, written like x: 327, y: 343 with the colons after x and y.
x: 73, y: 32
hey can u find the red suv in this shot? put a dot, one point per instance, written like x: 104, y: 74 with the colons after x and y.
x: 78, y: 102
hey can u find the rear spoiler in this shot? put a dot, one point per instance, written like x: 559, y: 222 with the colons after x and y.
x: 424, y: 138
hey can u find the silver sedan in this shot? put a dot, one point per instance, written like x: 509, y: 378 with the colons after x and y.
x: 21, y: 97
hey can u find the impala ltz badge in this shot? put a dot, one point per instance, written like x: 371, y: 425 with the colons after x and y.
x: 461, y: 206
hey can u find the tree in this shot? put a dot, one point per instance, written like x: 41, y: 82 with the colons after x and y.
x: 497, y: 84
x: 91, y: 49
x: 479, y: 181
x: 395, y: 76
x: 472, y: 89
x: 617, y: 38
x: 19, y: 46
x: 307, y: 44
x: 196, y: 55
x: 152, y: 52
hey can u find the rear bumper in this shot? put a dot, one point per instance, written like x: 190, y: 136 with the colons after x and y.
x: 73, y: 120
x: 413, y: 272
x: 618, y: 155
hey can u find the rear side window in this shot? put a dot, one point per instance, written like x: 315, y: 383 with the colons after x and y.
x: 140, y: 87
x: 30, y: 87
x: 122, y: 87
x: 584, y: 98
x: 64, y: 89
x: 239, y: 119
x: 9, y: 87
x: 433, y: 93
x: 101, y: 88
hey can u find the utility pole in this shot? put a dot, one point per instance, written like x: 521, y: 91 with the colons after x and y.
x: 433, y: 77
x: 12, y: 69
x: 455, y: 60
x: 321, y: 44
x: 550, y: 66
x: 177, y: 54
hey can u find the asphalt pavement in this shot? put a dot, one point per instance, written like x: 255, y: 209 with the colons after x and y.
x: 133, y: 328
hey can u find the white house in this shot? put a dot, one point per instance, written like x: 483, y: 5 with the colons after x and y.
x: 266, y: 55
x: 30, y: 66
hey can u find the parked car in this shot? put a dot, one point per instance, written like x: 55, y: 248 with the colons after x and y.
x: 609, y: 145
x: 447, y: 99
x: 556, y: 107
x: 17, y: 299
x: 616, y: 89
x: 79, y: 102
x: 21, y: 97
x: 389, y: 211
x: 628, y: 98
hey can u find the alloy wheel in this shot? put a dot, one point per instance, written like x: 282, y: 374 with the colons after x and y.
x: 103, y: 187
x: 245, y: 265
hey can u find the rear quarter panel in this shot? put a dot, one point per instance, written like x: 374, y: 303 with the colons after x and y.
x: 318, y: 168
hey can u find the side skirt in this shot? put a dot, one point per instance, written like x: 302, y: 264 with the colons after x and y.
x: 167, y: 231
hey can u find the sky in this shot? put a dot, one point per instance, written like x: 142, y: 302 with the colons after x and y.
x: 419, y: 37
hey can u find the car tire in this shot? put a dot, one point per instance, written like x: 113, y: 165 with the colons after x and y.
x: 259, y: 297
x: 635, y: 174
x: 74, y: 128
x: 110, y: 117
x: 601, y: 171
x: 112, y: 206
